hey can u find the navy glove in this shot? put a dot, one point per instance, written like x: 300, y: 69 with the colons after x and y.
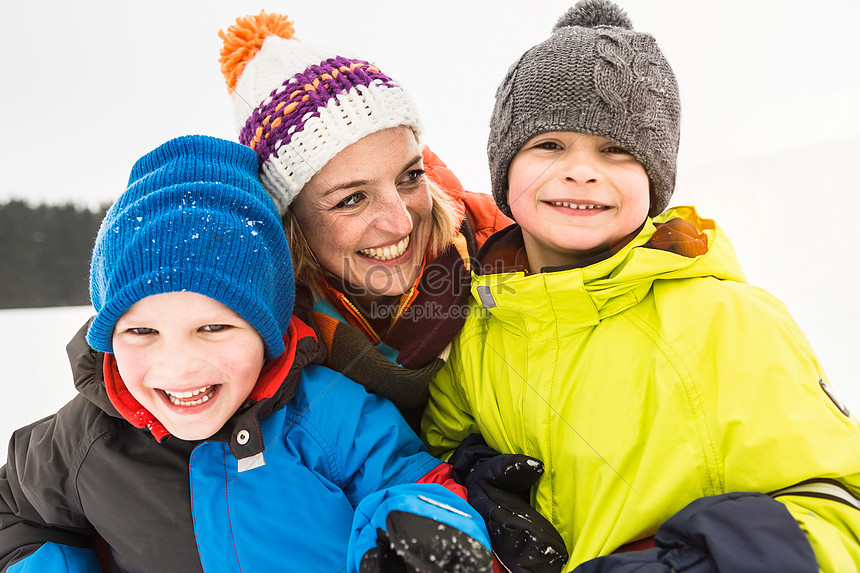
x: 737, y: 531
x: 418, y: 544
x: 498, y: 487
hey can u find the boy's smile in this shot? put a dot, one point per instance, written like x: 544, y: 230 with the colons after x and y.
x: 188, y: 359
x: 575, y: 195
x: 193, y: 398
x: 588, y: 208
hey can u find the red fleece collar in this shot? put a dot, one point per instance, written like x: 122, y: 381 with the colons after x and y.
x: 271, y: 377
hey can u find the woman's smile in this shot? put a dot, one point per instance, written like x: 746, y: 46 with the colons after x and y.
x: 388, y: 252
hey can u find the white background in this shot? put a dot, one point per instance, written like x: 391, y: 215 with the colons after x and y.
x: 769, y: 147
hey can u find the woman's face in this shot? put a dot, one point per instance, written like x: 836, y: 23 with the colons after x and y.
x: 367, y: 214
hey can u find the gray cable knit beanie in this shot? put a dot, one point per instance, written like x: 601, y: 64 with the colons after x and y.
x: 594, y: 75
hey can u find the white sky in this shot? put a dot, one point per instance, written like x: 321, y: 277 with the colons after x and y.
x: 90, y: 86
x: 770, y: 134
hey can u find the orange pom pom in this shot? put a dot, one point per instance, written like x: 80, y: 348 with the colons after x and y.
x: 244, y: 39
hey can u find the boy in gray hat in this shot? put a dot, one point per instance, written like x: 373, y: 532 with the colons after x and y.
x: 680, y: 412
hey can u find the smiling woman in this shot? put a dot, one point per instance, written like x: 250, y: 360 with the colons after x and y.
x: 380, y: 230
x: 372, y: 216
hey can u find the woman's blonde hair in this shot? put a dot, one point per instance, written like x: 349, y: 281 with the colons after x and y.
x: 307, y: 270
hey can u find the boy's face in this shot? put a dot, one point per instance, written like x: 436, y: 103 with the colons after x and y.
x: 188, y: 359
x: 575, y: 195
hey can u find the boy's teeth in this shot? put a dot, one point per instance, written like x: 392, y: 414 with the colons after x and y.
x: 573, y: 205
x: 182, y: 398
x: 188, y: 394
x: 389, y: 252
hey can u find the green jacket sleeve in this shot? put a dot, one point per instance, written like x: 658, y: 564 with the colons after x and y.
x: 777, y: 427
x: 447, y: 418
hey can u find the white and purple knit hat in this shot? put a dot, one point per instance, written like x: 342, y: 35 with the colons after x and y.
x: 298, y: 105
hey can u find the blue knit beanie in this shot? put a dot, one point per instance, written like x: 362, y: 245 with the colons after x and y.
x: 194, y: 218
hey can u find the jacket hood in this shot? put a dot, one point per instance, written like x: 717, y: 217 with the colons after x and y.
x: 87, y: 372
x: 678, y: 244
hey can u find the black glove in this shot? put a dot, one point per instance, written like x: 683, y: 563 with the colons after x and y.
x: 748, y: 532
x: 418, y: 544
x: 498, y: 486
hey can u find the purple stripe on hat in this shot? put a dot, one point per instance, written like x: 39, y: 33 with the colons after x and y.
x: 301, y: 97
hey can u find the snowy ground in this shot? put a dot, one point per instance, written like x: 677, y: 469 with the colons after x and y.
x: 36, y: 378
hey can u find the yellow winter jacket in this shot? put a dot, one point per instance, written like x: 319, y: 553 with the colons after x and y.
x: 645, y: 381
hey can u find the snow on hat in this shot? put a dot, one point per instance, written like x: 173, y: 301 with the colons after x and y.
x: 593, y: 75
x: 298, y: 105
x: 194, y: 218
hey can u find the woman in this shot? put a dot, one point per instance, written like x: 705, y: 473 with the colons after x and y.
x: 380, y: 230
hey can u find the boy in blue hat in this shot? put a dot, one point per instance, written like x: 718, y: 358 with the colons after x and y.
x: 205, y: 435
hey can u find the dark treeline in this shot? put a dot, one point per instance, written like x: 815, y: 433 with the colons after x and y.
x: 45, y: 254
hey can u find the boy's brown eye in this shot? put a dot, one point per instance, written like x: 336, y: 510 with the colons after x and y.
x: 616, y: 149
x: 141, y: 331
